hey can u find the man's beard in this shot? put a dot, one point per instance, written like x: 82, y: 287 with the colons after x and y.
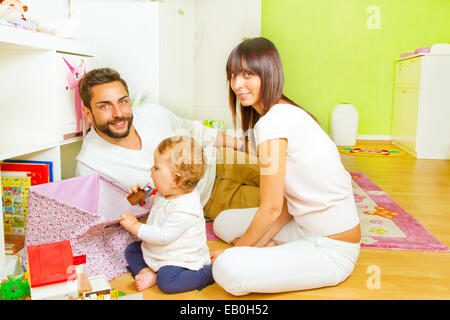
x: 104, y: 128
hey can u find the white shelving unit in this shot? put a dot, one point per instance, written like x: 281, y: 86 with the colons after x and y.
x: 31, y: 106
x: 422, y: 104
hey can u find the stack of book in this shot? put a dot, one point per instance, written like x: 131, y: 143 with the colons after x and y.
x: 16, y: 178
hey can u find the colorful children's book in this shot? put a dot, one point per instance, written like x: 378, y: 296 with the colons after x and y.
x: 38, y: 172
x: 15, y: 204
x: 49, y: 163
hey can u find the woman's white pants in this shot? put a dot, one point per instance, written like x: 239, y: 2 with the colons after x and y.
x: 300, y: 260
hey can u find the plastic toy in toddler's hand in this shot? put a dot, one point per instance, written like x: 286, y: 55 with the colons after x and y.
x: 138, y: 194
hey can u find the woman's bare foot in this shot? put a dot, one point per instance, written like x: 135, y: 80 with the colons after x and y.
x: 145, y: 279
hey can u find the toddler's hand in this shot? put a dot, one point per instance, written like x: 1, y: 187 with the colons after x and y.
x: 129, y: 222
x: 135, y: 189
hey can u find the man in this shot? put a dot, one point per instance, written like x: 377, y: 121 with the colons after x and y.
x: 123, y: 140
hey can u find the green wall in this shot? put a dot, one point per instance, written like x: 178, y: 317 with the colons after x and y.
x: 330, y: 55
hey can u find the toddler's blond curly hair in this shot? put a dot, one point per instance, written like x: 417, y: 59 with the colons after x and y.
x: 187, y: 157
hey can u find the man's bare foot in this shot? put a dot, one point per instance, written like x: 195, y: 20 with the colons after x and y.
x: 145, y: 279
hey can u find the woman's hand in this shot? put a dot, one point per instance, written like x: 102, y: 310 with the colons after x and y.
x: 130, y: 223
x: 214, y: 254
x: 272, y: 162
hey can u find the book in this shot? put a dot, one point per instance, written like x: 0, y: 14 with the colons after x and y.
x: 15, y: 204
x: 49, y: 163
x: 38, y: 172
x: 13, y: 174
x: 14, y: 243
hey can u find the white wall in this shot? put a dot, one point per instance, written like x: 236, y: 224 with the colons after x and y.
x: 125, y: 36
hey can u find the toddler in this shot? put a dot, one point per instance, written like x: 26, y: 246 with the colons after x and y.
x: 173, y: 253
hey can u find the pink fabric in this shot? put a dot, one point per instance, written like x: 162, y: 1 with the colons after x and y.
x: 81, y: 193
x: 210, y: 235
x: 407, y: 54
x: 62, y: 211
x: 423, y: 50
x: 381, y: 216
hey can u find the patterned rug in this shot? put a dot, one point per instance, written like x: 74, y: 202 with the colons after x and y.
x: 372, y: 151
x: 384, y: 223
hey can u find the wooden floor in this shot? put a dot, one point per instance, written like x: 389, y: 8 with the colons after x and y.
x: 422, y: 188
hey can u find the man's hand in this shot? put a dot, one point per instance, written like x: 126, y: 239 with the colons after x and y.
x: 130, y: 223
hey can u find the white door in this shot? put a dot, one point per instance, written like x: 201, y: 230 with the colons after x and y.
x: 219, y: 27
x: 177, y: 56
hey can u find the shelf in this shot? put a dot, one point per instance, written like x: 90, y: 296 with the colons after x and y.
x: 30, y: 109
x: 71, y: 140
x: 22, y: 149
x: 14, y: 38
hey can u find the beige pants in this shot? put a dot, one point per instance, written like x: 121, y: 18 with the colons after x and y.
x: 237, y: 182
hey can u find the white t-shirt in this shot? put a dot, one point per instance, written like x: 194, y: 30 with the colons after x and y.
x: 318, y: 189
x: 175, y: 233
x: 129, y: 167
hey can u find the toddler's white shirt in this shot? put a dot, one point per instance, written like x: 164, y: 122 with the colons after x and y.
x: 175, y: 233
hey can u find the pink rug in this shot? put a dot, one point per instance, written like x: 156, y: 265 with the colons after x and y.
x: 384, y: 223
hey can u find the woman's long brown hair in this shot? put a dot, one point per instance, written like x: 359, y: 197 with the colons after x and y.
x: 261, y: 58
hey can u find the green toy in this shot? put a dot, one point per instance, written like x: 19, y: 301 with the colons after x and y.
x: 14, y: 288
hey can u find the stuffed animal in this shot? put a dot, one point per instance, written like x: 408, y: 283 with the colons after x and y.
x: 12, y: 13
x: 74, y: 75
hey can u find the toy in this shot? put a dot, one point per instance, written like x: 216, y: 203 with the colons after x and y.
x: 216, y: 124
x: 141, y: 195
x: 12, y: 11
x: 73, y: 77
x: 15, y: 288
x: 54, y: 273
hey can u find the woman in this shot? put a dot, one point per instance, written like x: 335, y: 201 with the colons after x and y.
x: 307, y: 207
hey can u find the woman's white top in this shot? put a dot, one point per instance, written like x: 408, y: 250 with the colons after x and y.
x: 317, y: 187
x: 175, y: 233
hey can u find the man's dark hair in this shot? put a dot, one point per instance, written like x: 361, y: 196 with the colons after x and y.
x: 96, y: 77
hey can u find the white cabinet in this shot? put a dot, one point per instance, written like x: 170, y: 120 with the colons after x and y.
x: 421, y: 112
x: 35, y: 101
